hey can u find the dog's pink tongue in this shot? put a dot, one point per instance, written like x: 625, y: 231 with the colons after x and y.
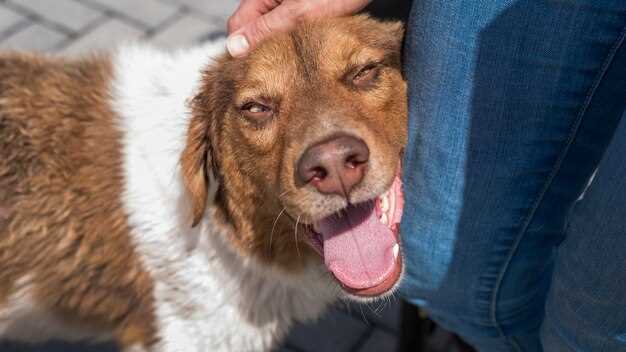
x: 358, y: 248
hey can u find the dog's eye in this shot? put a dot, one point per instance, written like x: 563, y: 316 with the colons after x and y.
x: 366, y: 75
x: 257, y: 111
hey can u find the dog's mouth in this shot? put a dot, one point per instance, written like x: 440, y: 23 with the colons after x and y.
x: 360, y: 243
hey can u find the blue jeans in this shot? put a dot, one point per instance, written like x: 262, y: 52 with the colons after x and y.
x: 513, y: 105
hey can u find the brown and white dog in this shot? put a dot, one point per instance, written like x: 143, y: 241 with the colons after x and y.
x: 193, y: 202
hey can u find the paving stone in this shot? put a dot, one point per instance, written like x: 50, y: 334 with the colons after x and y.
x: 8, y: 19
x: 106, y: 36
x: 151, y: 13
x: 215, y: 8
x: 184, y: 32
x: 380, y: 341
x: 336, y: 332
x: 67, y: 13
x: 35, y: 37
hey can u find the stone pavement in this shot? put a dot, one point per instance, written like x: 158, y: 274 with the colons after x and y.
x: 79, y: 26
x: 73, y: 26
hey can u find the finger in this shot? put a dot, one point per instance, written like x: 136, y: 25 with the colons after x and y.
x: 281, y: 19
x: 248, y: 11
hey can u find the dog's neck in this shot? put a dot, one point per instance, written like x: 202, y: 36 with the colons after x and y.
x: 267, y: 291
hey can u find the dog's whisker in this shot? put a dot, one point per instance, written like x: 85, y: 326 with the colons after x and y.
x: 296, y: 236
x: 273, y: 228
x: 370, y: 306
x: 379, y: 308
x: 348, y: 307
x: 387, y: 301
x: 363, y: 315
x: 284, y: 194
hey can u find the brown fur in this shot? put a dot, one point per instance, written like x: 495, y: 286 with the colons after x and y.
x: 303, y: 74
x: 60, y: 183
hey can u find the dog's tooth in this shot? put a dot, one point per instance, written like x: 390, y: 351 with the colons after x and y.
x: 396, y: 250
x: 384, y: 219
x: 384, y: 204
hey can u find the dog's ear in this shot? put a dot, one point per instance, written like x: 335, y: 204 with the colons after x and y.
x: 197, y: 162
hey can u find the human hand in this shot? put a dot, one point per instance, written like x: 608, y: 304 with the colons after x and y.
x: 254, y: 20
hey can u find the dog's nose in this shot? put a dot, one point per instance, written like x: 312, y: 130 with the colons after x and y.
x: 334, y: 166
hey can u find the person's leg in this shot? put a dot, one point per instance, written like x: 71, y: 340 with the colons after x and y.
x: 586, y: 307
x: 511, y: 106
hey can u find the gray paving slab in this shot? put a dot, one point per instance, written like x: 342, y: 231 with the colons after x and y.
x: 8, y: 19
x: 106, y: 36
x: 66, y: 13
x: 150, y: 13
x: 35, y: 37
x: 185, y: 31
x: 214, y: 8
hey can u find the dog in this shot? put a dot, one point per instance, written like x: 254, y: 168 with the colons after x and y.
x: 191, y: 201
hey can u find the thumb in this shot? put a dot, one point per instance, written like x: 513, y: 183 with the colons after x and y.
x: 280, y: 19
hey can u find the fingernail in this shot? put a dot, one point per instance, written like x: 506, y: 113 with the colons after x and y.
x: 237, y: 45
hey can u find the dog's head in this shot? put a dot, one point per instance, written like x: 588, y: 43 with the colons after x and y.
x: 305, y: 137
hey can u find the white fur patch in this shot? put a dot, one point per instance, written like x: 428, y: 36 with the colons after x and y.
x: 208, y: 298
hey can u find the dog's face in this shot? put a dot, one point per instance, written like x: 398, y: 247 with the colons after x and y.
x: 305, y: 137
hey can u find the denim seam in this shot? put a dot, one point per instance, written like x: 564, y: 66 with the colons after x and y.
x: 556, y: 168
